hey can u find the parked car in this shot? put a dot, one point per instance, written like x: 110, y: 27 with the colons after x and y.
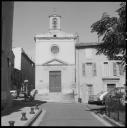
x: 33, y: 91
x: 13, y: 93
x: 21, y: 94
x: 100, y: 99
x: 30, y: 96
x: 93, y: 99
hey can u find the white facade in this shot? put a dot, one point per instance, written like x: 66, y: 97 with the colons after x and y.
x: 66, y: 50
x: 17, y: 63
x: 95, y: 73
x: 55, y: 52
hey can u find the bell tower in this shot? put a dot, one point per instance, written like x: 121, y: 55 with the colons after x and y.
x: 54, y: 22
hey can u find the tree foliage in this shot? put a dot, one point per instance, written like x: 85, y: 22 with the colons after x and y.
x: 113, y: 33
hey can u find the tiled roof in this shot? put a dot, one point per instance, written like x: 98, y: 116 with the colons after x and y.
x: 87, y: 44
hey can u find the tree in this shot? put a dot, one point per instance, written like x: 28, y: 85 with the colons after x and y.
x: 113, y: 33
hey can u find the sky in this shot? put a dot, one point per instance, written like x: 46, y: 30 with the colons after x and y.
x: 31, y: 18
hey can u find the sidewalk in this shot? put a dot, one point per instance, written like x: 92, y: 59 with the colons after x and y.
x: 14, y: 113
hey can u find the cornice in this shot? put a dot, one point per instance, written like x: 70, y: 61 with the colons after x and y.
x: 110, y: 78
x: 55, y: 38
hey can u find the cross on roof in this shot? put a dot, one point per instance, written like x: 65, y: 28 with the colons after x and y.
x: 54, y: 10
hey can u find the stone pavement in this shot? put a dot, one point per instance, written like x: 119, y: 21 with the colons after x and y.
x: 70, y: 114
x: 14, y: 113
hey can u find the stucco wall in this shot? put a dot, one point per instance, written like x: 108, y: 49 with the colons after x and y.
x: 98, y: 83
x: 17, y: 62
x: 66, y: 51
x: 67, y: 77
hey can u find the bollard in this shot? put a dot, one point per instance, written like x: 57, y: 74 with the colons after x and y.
x: 32, y: 111
x: 11, y: 123
x: 23, y: 116
x: 36, y: 107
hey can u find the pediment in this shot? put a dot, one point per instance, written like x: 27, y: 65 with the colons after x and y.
x: 54, y: 62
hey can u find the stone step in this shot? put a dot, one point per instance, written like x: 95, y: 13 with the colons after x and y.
x: 55, y: 97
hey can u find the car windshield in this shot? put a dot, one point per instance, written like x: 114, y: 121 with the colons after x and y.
x: 104, y: 93
x: 100, y: 93
x: 13, y: 91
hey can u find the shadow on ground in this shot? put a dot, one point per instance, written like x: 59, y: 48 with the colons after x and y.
x: 17, y: 105
x: 99, y: 110
x: 96, y: 108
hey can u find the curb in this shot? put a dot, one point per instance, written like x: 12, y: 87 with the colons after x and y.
x: 108, y: 119
x: 112, y: 121
x: 101, y: 119
x: 39, y: 119
x: 31, y: 121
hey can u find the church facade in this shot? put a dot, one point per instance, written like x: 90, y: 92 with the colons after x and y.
x: 55, y: 61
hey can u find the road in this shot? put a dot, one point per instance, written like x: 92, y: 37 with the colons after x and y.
x: 70, y: 114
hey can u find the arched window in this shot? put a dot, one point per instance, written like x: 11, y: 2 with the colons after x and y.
x: 54, y: 49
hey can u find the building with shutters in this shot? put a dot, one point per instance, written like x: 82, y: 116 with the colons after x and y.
x: 95, y: 73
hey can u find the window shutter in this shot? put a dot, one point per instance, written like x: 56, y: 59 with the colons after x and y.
x: 90, y: 89
x: 83, y: 69
x: 114, y: 69
x: 94, y: 69
x: 121, y: 70
x: 106, y: 69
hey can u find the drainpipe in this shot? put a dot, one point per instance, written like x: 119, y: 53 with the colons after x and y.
x: 79, y: 99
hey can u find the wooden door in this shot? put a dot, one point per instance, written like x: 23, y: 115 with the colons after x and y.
x: 90, y: 90
x: 55, y: 81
